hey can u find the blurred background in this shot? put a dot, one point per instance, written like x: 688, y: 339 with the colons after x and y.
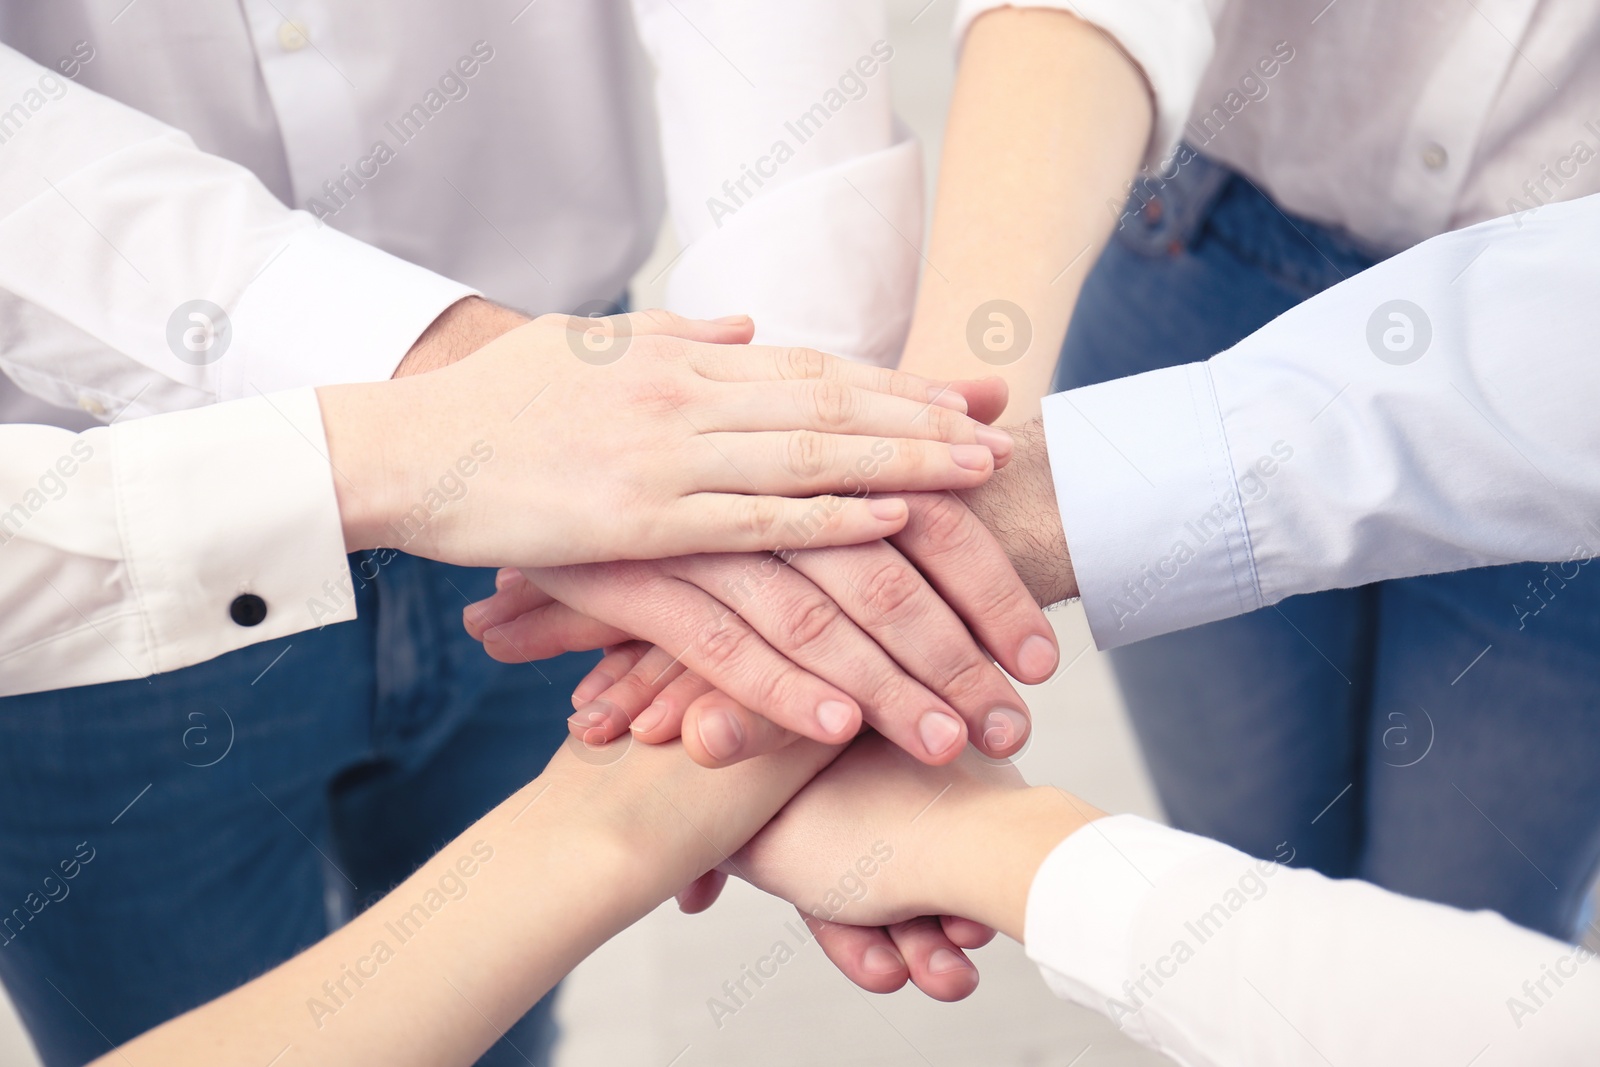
x: 642, y: 1000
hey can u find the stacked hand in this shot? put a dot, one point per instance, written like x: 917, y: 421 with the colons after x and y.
x: 547, y: 447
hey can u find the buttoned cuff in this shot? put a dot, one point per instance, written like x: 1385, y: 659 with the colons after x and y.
x: 1171, y: 43
x: 1150, y: 504
x: 225, y: 511
x: 329, y: 310
x: 1086, y: 901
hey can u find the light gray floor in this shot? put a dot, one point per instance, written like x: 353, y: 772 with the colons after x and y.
x: 641, y: 1000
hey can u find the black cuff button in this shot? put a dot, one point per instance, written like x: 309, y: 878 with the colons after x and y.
x: 248, y: 609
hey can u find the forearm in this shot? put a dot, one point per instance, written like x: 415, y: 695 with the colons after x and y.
x: 429, y: 976
x: 1047, y: 125
x: 463, y: 328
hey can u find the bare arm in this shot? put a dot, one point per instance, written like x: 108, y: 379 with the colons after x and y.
x: 433, y: 974
x: 1048, y: 123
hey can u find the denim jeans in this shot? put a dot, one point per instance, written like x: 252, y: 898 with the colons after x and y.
x: 1438, y: 736
x: 218, y: 819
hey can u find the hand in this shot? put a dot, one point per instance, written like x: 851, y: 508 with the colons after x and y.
x: 530, y: 452
x: 811, y: 645
x: 879, y: 839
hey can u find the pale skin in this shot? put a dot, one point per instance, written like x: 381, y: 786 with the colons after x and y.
x: 639, y: 437
x: 605, y: 842
x: 1047, y: 125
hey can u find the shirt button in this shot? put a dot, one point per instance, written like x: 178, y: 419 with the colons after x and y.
x: 92, y: 406
x: 248, y: 609
x: 293, y: 36
x: 1434, y: 157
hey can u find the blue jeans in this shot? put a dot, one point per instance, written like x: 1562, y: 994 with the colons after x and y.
x: 182, y: 834
x: 1428, y: 735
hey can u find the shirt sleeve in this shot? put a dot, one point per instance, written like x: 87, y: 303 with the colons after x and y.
x: 1171, y: 41
x: 1217, y: 959
x: 796, y: 194
x: 1431, y: 414
x: 124, y: 548
x: 139, y: 224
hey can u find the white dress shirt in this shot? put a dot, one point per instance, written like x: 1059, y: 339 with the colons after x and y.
x: 1395, y: 119
x: 152, y: 154
x: 1220, y: 960
x: 1433, y: 413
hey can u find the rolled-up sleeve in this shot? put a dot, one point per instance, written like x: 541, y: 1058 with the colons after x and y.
x: 159, y: 543
x: 1171, y: 41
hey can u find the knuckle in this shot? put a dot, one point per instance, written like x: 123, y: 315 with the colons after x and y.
x: 759, y: 519
x: 723, y: 645
x: 945, y: 524
x: 810, y: 620
x: 890, y: 587
x: 971, y: 678
x: 808, y: 454
x: 834, y: 404
x: 947, y: 425
x: 803, y: 363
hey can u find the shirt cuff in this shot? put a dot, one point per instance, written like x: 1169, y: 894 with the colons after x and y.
x: 1086, y: 900
x: 1171, y: 43
x: 329, y: 310
x: 223, y: 501
x: 1150, y: 503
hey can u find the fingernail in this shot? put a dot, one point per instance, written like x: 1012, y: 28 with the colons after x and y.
x: 1003, y: 729
x: 721, y: 734
x: 473, y: 619
x: 834, y: 716
x: 591, y: 687
x: 505, y: 577
x: 972, y: 457
x: 732, y: 320
x: 887, y: 510
x: 1037, y: 658
x: 938, y: 732
x: 649, y: 719
x: 879, y: 960
x: 595, y: 715
x: 943, y: 961
x: 945, y: 397
x: 997, y: 441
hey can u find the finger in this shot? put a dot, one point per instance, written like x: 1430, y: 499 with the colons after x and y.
x: 964, y: 933
x: 726, y: 522
x: 643, y: 682
x: 864, y: 954
x: 731, y: 330
x: 764, y: 363
x: 703, y: 892
x: 806, y: 624
x: 718, y: 645
x: 806, y: 462
x: 985, y: 397
x: 841, y: 409
x: 898, y: 609
x: 514, y: 595
x: 970, y: 570
x: 546, y: 632
x: 938, y: 966
x: 718, y: 731
x: 615, y: 664
x: 597, y: 721
x: 663, y: 719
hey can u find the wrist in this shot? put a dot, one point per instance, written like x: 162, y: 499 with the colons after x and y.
x: 1018, y: 505
x: 356, y: 420
x: 460, y: 330
x: 996, y: 846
